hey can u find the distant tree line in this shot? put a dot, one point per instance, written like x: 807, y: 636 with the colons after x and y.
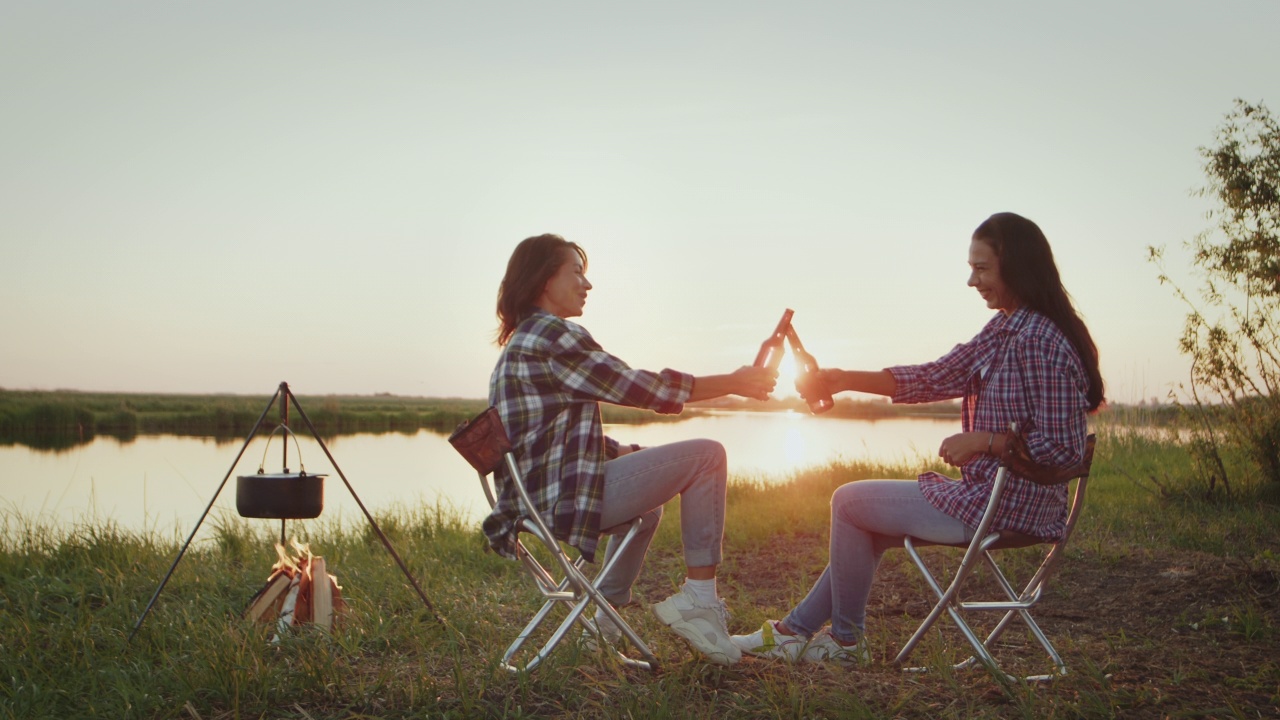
x: 62, y: 419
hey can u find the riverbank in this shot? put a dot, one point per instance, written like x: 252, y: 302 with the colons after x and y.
x: 64, y: 418
x: 60, y: 419
x: 1165, y: 607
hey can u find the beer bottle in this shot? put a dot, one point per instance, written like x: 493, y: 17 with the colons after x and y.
x: 807, y: 380
x: 771, y: 349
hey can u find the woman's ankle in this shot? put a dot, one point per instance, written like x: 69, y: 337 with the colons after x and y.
x: 781, y: 626
x: 703, y: 590
x: 842, y: 642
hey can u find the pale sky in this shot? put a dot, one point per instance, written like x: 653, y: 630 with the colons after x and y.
x: 215, y: 197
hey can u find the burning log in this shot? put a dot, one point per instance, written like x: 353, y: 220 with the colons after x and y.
x: 269, y: 597
x: 299, y: 590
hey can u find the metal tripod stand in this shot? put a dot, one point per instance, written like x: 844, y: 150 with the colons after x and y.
x: 286, y: 396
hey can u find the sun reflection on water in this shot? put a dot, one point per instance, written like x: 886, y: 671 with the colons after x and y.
x: 795, y: 445
x: 163, y: 482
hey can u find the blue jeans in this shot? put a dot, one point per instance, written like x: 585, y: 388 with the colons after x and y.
x: 867, y: 518
x: 640, y: 483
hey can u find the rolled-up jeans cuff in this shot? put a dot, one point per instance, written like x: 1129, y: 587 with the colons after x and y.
x: 702, y: 557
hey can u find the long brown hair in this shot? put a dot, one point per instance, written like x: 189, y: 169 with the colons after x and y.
x: 1028, y: 269
x: 532, y: 264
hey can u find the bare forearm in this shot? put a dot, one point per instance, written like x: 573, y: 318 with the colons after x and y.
x: 961, y: 447
x: 876, y: 382
x: 706, y: 387
x: 751, y: 382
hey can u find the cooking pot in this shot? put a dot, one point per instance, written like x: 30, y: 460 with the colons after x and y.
x: 285, y: 496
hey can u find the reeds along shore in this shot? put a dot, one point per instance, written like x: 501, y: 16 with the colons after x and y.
x: 64, y: 418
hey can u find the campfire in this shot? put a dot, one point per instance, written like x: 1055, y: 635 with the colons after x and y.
x: 299, y: 590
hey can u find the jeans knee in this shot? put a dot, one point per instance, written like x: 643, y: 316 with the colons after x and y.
x: 715, y: 458
x: 844, y: 495
x: 849, y: 502
x: 715, y: 452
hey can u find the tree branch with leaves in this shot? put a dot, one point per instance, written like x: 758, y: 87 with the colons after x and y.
x: 1232, y: 329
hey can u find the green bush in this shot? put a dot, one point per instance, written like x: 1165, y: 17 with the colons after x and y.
x: 1232, y: 329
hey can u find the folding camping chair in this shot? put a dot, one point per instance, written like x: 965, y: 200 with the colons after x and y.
x: 484, y: 443
x: 985, y: 541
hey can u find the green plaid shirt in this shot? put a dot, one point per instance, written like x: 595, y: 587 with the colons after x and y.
x: 547, y: 386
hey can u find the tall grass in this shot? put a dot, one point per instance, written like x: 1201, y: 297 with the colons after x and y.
x: 1156, y: 498
x: 70, y: 595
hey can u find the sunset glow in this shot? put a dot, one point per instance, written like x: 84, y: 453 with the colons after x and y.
x: 786, y: 377
x: 795, y: 443
x: 156, y: 159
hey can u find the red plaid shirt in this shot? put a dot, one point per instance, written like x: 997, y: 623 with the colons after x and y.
x: 1022, y: 369
x: 546, y: 386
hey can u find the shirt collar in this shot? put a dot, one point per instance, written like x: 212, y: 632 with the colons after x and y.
x: 1012, y: 323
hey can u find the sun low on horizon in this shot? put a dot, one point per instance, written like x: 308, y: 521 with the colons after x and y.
x: 786, y: 387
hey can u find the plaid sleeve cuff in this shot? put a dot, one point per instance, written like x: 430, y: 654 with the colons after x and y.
x: 679, y: 387
x: 907, y: 381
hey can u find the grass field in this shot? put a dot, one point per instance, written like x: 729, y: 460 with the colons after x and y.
x: 1167, y: 607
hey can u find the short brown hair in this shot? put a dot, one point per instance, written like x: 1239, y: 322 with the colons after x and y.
x: 532, y: 264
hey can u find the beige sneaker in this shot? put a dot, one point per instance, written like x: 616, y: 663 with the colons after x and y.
x: 705, y: 627
x: 769, y: 643
x: 825, y: 648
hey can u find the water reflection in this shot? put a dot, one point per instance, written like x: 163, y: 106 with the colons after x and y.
x: 775, y: 445
x: 162, y: 483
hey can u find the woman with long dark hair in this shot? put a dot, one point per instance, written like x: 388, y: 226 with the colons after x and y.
x: 1034, y: 364
x: 547, y: 386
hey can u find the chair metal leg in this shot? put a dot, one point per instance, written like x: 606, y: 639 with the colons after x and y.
x: 1020, y: 605
x: 1034, y: 628
x: 587, y: 594
x: 483, y: 442
x: 1017, y: 605
x: 552, y: 642
x: 528, y: 631
x: 945, y: 598
x: 650, y: 661
x: 984, y: 540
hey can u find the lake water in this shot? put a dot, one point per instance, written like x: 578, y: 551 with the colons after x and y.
x: 163, y: 483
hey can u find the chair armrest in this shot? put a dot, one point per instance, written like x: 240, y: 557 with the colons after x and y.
x: 1017, y: 457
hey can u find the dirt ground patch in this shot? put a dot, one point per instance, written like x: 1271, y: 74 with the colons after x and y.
x: 1194, y: 628
x: 1151, y: 634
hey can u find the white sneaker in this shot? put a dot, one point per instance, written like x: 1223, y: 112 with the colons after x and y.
x: 704, y: 626
x: 770, y: 643
x: 825, y: 648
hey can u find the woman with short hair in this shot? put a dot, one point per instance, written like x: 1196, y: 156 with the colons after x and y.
x: 547, y: 386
